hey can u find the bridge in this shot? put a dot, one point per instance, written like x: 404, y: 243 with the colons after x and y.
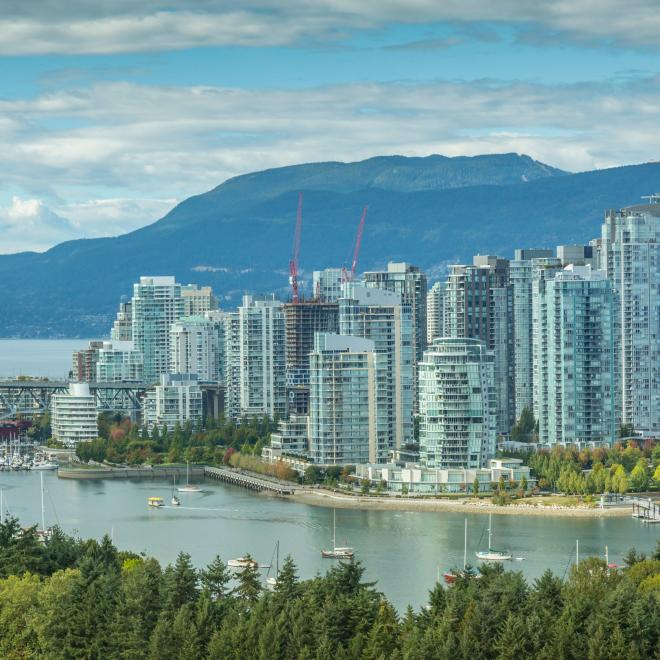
x: 249, y: 481
x: 32, y: 397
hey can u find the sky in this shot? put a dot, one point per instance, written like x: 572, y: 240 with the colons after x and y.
x: 110, y: 115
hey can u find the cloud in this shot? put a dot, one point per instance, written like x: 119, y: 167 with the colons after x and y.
x: 153, y: 145
x: 438, y: 43
x: 78, y: 26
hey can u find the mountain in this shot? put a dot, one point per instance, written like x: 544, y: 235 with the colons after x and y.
x: 237, y: 237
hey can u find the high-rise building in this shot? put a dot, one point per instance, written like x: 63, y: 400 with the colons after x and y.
x: 629, y: 251
x: 435, y: 311
x: 156, y: 304
x: 261, y: 355
x: 217, y: 317
x: 176, y: 399
x: 327, y: 284
x: 232, y: 364
x: 119, y: 362
x: 83, y: 364
x: 411, y: 284
x: 478, y: 304
x: 520, y: 277
x: 122, y: 328
x: 194, y: 348
x: 301, y: 322
x: 197, y: 300
x: 73, y: 415
x: 346, y: 418
x: 457, y: 404
x: 576, y: 315
x: 380, y: 315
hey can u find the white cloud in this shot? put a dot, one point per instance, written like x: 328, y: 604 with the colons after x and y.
x: 152, y: 145
x: 78, y: 26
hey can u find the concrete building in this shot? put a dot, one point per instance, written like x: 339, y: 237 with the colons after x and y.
x: 122, y: 328
x: 577, y: 255
x: 261, y: 358
x: 348, y: 417
x: 232, y: 364
x: 457, y: 404
x: 218, y: 317
x: 292, y: 435
x: 301, y: 322
x: 83, y: 363
x: 74, y: 416
x: 435, y: 311
x: 119, y: 362
x: 327, y: 284
x: 478, y: 304
x: 411, y: 284
x: 423, y: 480
x: 176, y: 399
x: 194, y: 348
x: 578, y: 358
x: 156, y: 304
x: 520, y: 278
x: 380, y: 315
x: 197, y: 300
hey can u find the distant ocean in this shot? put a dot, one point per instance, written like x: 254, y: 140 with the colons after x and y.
x: 50, y: 358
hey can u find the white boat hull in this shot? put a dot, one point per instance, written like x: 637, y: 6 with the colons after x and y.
x: 494, y: 556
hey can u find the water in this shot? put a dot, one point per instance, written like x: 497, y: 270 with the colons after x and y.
x: 38, y: 357
x: 402, y: 551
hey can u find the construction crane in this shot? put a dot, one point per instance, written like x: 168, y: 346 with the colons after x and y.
x: 348, y: 275
x: 293, y: 263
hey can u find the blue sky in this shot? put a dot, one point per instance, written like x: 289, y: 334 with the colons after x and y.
x: 109, y: 116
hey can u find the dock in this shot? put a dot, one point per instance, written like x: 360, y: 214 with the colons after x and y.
x: 646, y: 510
x: 248, y: 481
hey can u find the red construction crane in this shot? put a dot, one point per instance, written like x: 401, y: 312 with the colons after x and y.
x: 293, y: 263
x: 347, y: 276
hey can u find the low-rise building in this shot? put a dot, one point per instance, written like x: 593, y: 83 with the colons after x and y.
x: 413, y: 478
x: 74, y: 416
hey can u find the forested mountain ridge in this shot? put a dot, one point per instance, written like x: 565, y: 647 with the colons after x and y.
x: 237, y: 237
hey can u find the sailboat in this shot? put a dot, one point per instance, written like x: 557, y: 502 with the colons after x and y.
x: 272, y: 581
x: 451, y: 576
x: 337, y: 552
x: 175, y: 500
x: 189, y: 488
x: 43, y: 533
x: 492, y: 554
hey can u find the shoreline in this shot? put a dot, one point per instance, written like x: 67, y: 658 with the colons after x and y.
x: 326, y: 498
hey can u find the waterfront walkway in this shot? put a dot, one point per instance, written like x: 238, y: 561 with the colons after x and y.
x: 249, y: 481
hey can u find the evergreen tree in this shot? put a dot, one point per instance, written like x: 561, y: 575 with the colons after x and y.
x: 215, y: 578
x: 248, y: 588
x: 180, y: 583
x: 287, y: 581
x: 384, y: 637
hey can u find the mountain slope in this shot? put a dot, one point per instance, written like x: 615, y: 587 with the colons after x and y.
x: 237, y: 237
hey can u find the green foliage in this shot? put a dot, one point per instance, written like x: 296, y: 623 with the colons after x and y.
x: 523, y: 429
x: 83, y: 599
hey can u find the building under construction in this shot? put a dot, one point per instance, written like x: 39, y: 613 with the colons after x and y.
x: 301, y: 321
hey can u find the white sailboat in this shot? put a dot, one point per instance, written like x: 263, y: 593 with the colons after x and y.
x: 492, y: 554
x: 270, y: 580
x: 337, y: 552
x: 189, y: 488
x: 43, y: 533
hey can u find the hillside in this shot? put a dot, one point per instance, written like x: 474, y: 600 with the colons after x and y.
x: 237, y: 237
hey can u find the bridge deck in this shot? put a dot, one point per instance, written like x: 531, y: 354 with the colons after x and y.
x: 248, y: 481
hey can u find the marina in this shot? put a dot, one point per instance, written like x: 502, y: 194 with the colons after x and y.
x: 231, y: 522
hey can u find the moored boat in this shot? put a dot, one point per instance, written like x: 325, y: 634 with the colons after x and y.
x: 337, y: 552
x: 492, y: 554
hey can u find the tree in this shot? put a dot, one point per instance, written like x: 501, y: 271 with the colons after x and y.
x: 639, y: 476
x: 364, y: 486
x: 524, y: 484
x: 249, y: 584
x: 475, y: 486
x: 287, y: 581
x: 215, y: 579
x: 180, y: 582
x: 384, y: 636
x: 523, y: 429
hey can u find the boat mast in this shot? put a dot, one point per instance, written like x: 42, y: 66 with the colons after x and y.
x: 334, y: 529
x: 277, y: 561
x: 465, y: 546
x: 2, y: 508
x: 43, y: 519
x: 577, y: 552
x: 607, y: 556
x: 490, y: 530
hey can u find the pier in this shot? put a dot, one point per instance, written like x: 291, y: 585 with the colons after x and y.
x: 248, y: 481
x: 646, y: 510
x: 156, y: 472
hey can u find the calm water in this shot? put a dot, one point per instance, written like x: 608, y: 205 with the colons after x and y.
x: 402, y: 551
x: 37, y: 357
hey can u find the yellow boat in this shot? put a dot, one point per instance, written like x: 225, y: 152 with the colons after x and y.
x: 156, y: 501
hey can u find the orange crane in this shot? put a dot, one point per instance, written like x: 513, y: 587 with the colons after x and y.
x: 348, y: 275
x: 293, y: 263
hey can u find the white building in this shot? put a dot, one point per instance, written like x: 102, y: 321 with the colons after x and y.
x: 122, y: 328
x: 434, y: 311
x: 177, y: 398
x: 347, y: 412
x: 119, y: 362
x: 194, y: 348
x: 457, y: 404
x: 381, y: 316
x: 327, y: 284
x: 629, y: 251
x: 156, y: 304
x: 74, y: 416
